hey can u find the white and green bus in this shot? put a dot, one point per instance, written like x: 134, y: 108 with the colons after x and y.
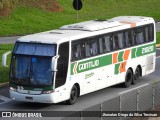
x: 76, y: 59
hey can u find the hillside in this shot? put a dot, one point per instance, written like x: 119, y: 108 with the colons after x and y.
x: 31, y: 16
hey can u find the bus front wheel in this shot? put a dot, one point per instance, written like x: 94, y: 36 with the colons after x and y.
x: 73, y: 95
x: 128, y: 78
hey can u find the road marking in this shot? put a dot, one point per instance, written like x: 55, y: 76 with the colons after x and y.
x: 5, y: 99
x: 5, y: 102
x: 133, y: 89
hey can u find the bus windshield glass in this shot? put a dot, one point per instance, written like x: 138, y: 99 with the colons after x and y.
x: 32, y: 68
x: 35, y: 49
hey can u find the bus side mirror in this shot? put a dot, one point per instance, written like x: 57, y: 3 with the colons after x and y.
x: 54, y: 63
x: 4, y: 58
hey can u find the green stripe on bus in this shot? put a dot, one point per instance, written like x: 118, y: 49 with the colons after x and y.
x: 116, y: 70
x: 92, y: 64
x: 133, y: 52
x: 144, y: 50
x: 120, y: 56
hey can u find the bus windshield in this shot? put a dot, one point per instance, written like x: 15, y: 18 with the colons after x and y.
x: 32, y: 68
x: 35, y: 49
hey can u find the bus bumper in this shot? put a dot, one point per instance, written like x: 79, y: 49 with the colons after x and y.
x: 42, y: 98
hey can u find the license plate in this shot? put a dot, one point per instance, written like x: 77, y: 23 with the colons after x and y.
x: 29, y: 98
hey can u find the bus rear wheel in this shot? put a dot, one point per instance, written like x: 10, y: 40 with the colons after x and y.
x: 128, y: 78
x: 73, y: 95
x: 136, y: 76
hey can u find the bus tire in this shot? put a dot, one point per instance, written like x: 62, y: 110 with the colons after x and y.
x: 136, y: 76
x: 128, y: 78
x: 73, y: 95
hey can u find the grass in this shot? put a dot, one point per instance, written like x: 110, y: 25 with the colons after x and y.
x: 27, y: 20
x: 4, y: 71
x: 158, y: 38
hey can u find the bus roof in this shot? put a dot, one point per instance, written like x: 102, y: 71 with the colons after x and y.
x: 84, y: 29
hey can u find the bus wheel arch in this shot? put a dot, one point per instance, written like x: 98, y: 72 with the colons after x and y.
x: 137, y: 74
x: 139, y: 66
x: 74, y: 93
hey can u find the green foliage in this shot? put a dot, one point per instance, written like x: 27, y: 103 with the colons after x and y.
x: 27, y: 19
x: 158, y: 38
x: 4, y: 71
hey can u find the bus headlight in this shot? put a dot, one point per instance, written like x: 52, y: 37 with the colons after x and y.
x: 48, y: 92
x: 13, y: 89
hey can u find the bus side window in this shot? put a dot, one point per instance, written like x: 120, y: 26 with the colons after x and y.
x: 132, y: 37
x: 129, y: 38
x: 115, y: 42
x: 100, y: 45
x: 121, y: 40
x: 139, y: 36
x: 94, y: 46
x: 91, y: 47
x: 128, y: 42
x: 76, y: 52
x: 146, y: 29
x: 88, y: 49
x: 104, y: 43
x: 151, y: 32
x: 107, y: 43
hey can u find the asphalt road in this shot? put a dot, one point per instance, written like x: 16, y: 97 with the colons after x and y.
x: 8, y: 40
x: 158, y: 26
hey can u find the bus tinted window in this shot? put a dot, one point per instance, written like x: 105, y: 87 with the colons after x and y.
x: 91, y: 47
x: 146, y: 29
x: 77, y: 50
x: 107, y: 43
x: 115, y: 42
x: 151, y: 33
x: 88, y: 48
x: 35, y: 49
x: 139, y: 36
x: 94, y: 47
x: 120, y: 40
x: 129, y: 37
x: 104, y: 44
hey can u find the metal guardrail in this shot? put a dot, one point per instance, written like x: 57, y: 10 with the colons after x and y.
x: 143, y: 99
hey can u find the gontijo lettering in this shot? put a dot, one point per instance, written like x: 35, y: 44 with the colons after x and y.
x: 88, y: 65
